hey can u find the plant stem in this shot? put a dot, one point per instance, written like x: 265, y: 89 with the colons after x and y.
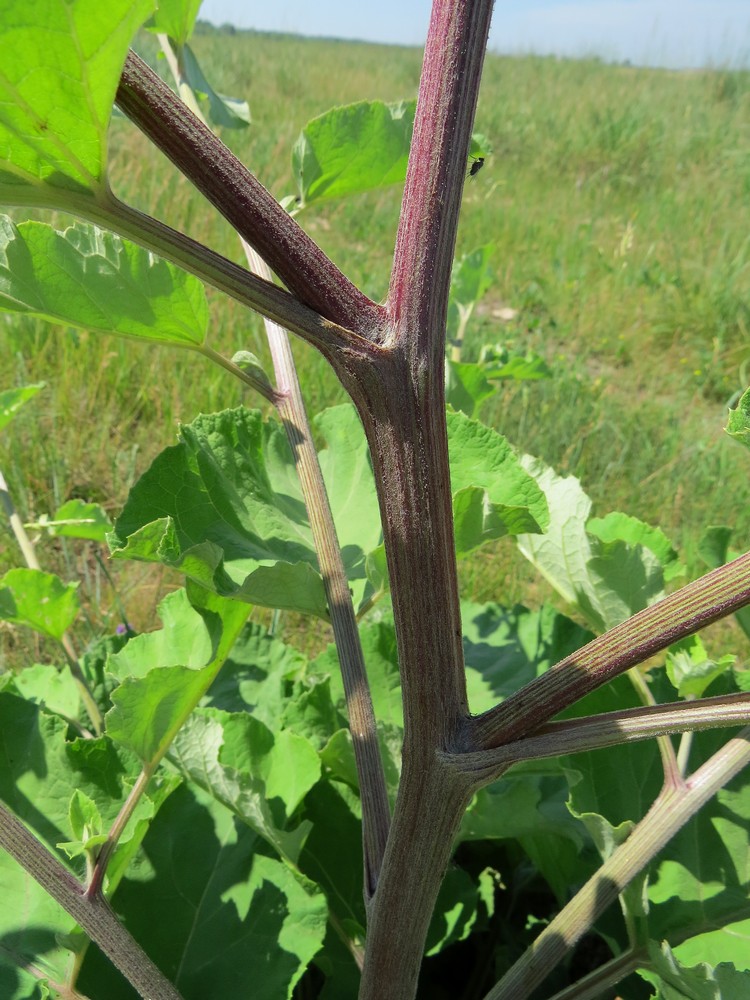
x: 609, y: 729
x: 672, y: 809
x: 115, y: 832
x: 666, y: 748
x: 718, y: 593
x: 16, y: 526
x: 596, y: 983
x: 401, y: 400
x: 242, y: 199
x: 94, y: 915
x: 376, y: 814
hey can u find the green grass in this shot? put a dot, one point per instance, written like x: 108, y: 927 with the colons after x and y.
x: 615, y: 199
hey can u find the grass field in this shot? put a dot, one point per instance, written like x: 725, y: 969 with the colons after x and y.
x: 617, y: 199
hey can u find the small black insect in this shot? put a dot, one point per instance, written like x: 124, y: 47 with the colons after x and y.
x: 476, y: 166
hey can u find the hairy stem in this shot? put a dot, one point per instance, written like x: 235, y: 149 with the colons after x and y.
x: 242, y: 200
x: 713, y: 596
x: 94, y: 915
x: 595, y: 732
x: 401, y: 400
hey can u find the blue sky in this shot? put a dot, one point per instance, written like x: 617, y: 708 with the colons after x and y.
x: 676, y: 33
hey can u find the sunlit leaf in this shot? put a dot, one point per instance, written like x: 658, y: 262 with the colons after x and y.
x: 60, y: 68
x: 493, y: 495
x: 738, y: 425
x: 352, y: 149
x: 39, y: 600
x: 91, y: 279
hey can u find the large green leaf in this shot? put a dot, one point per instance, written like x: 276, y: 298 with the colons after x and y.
x: 493, y: 495
x: 261, y: 776
x: 257, y: 676
x: 504, y: 649
x: 88, y: 278
x: 38, y: 600
x: 51, y: 688
x: 166, y: 673
x: 731, y: 943
x: 60, y: 68
x: 11, y: 400
x: 345, y: 463
x: 607, y: 580
x: 217, y: 915
x: 231, y: 514
x: 351, y: 149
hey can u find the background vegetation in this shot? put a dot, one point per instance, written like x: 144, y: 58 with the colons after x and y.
x: 614, y: 197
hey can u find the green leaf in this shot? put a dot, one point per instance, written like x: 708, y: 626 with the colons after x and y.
x: 175, y: 18
x: 246, y: 361
x: 675, y: 981
x: 347, y: 472
x: 256, y: 676
x: 493, y: 495
x: 223, y: 111
x: 713, y: 547
x: 11, y: 400
x: 332, y: 854
x: 738, y: 425
x: 352, y: 149
x: 148, y: 709
x: 231, y: 514
x: 458, y: 908
x: 607, y: 581
x: 77, y: 519
x: 691, y: 670
x: 379, y: 649
x: 529, y: 806
x: 617, y: 526
x: 40, y: 601
x: 91, y: 279
x: 466, y: 386
x: 730, y: 943
x: 50, y: 688
x: 59, y: 74
x: 217, y: 915
x: 261, y: 776
x: 472, y: 276
x: 86, y: 821
x: 310, y: 712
